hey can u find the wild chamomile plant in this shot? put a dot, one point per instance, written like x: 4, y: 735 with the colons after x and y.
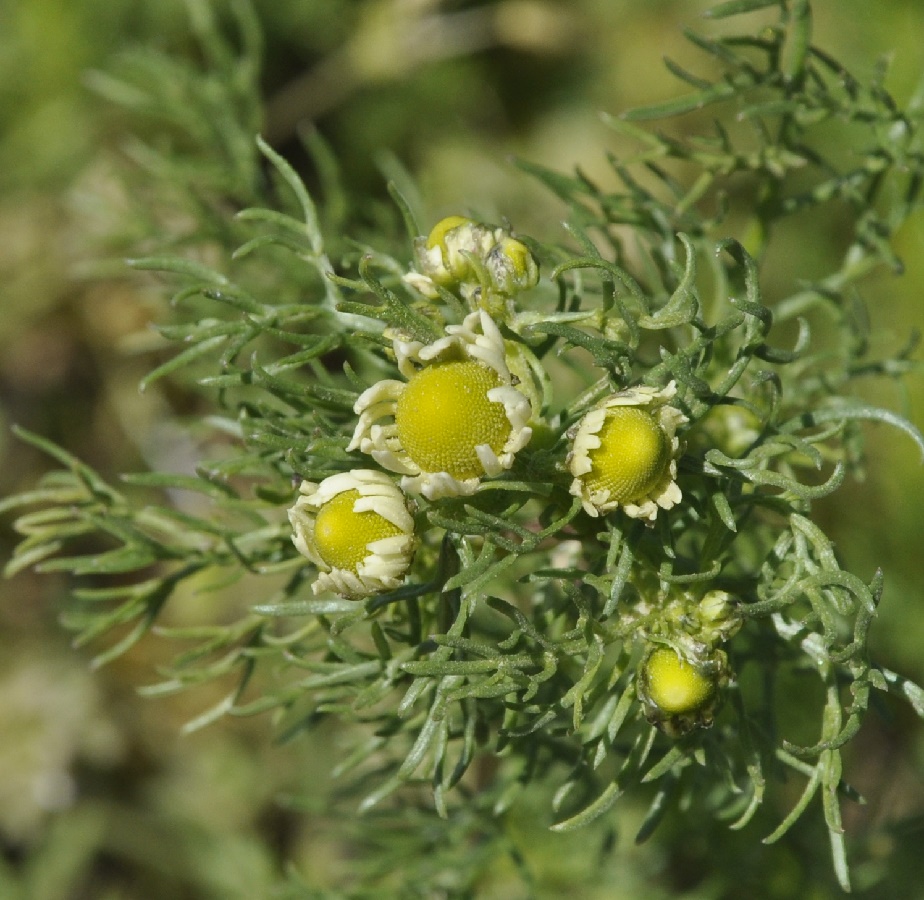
x: 534, y: 512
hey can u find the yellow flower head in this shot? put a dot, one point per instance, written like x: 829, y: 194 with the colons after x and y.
x: 624, y: 453
x: 356, y: 528
x: 680, y: 694
x: 674, y: 685
x: 457, y: 417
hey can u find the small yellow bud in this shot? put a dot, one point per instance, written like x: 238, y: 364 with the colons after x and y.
x: 674, y: 685
x: 512, y: 268
x: 517, y: 253
x: 680, y: 693
x: 445, y: 257
x: 437, y: 236
x: 481, y: 263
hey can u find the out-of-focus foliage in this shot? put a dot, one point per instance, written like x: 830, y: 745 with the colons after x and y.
x: 102, y: 799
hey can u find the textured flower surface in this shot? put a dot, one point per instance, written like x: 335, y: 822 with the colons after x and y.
x: 675, y: 685
x: 457, y: 417
x: 624, y: 453
x: 357, y: 529
x: 678, y: 694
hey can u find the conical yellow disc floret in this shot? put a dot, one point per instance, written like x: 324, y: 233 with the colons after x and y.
x: 458, y: 416
x: 624, y: 453
x: 674, y: 685
x: 633, y: 454
x: 444, y: 413
x: 342, y: 536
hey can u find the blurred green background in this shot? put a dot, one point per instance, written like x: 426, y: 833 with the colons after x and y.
x: 100, y: 794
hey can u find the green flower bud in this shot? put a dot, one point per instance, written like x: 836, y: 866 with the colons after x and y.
x: 719, y: 618
x: 511, y: 267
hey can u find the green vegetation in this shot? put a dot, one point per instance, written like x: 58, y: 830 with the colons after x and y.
x: 641, y: 590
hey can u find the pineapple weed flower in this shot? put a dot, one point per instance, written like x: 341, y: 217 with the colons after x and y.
x: 680, y: 694
x: 457, y: 418
x: 624, y: 453
x: 356, y: 528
